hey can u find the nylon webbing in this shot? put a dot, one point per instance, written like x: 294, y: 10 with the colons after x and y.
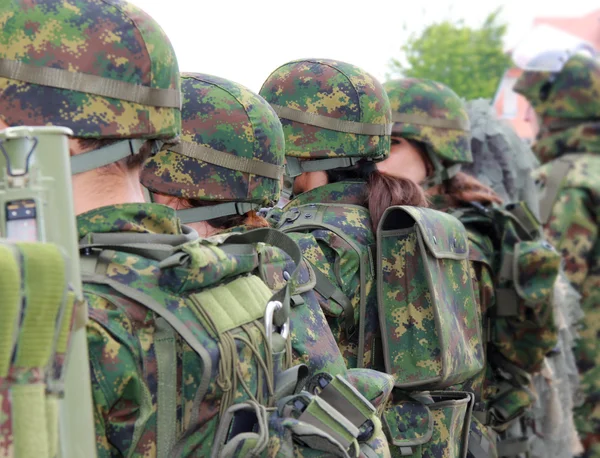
x: 411, y: 118
x: 324, y: 417
x: 124, y: 238
x: 89, y: 84
x: 227, y: 160
x: 513, y: 447
x: 326, y: 122
x: 104, y: 156
x: 193, y: 215
x: 10, y: 285
x: 557, y: 174
x: 279, y: 240
x: 346, y: 400
x: 329, y: 291
x: 166, y: 361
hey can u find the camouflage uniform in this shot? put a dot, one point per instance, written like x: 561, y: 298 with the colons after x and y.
x: 239, y: 125
x: 566, y: 100
x: 432, y: 114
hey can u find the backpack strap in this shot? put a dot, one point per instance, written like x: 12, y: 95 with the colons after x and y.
x: 166, y: 362
x: 330, y: 291
x: 559, y: 170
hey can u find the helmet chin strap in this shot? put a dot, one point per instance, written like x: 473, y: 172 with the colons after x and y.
x: 441, y: 173
x: 110, y: 154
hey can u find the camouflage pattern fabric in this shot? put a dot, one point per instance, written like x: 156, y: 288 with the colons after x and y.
x: 573, y: 229
x: 124, y: 338
x: 228, y: 117
x: 324, y: 249
x: 430, y: 322
x: 571, y: 94
x: 336, y: 90
x: 128, y: 47
x: 425, y: 104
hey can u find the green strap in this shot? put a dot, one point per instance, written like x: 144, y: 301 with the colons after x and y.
x: 479, y: 447
x: 513, y: 447
x: 423, y: 120
x: 295, y: 167
x: 166, y: 361
x: 329, y: 291
x: 89, y: 84
x: 151, y: 303
x: 559, y: 170
x: 10, y: 285
x: 227, y: 160
x: 193, y: 215
x: 104, y: 156
x: 279, y: 240
x: 122, y: 238
x: 290, y: 381
x: 441, y: 173
x: 327, y: 122
x: 348, y: 401
x: 525, y: 219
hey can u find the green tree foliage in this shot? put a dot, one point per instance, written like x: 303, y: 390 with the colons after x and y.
x: 469, y: 60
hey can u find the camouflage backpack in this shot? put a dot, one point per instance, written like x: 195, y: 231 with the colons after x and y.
x: 336, y: 238
x: 220, y: 307
x: 230, y: 155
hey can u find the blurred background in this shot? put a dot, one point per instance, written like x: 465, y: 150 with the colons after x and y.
x: 474, y: 47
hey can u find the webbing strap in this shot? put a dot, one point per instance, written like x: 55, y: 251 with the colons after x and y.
x: 441, y: 173
x: 321, y: 415
x: 330, y: 291
x: 227, y: 160
x: 507, y: 302
x: 279, y: 240
x: 89, y: 84
x: 421, y: 120
x: 348, y: 401
x: 193, y: 215
x: 513, y: 447
x: 291, y: 381
x: 10, y: 285
x: 326, y: 122
x: 151, y: 303
x: 124, y: 238
x: 558, y: 172
x: 295, y: 167
x: 104, y: 156
x: 155, y: 252
x: 166, y: 361
x: 479, y: 447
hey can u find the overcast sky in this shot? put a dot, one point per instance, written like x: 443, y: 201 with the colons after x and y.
x: 244, y: 40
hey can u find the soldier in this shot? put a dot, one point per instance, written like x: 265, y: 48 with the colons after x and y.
x: 564, y: 91
x: 227, y: 166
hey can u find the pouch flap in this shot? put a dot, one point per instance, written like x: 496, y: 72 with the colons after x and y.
x: 276, y: 266
x: 206, y: 262
x: 408, y: 423
x: 444, y: 235
x: 535, y: 270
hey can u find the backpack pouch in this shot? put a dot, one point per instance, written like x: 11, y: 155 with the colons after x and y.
x: 429, y: 318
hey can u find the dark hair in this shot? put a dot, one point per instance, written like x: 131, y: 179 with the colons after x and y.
x: 130, y: 162
x: 382, y: 191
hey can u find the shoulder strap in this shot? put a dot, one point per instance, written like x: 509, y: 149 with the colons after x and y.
x: 330, y: 291
x: 559, y: 170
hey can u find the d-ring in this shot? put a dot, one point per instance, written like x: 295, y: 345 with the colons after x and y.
x: 272, y: 307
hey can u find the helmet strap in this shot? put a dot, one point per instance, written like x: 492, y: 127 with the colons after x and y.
x: 110, y: 154
x: 441, y: 173
x: 197, y: 214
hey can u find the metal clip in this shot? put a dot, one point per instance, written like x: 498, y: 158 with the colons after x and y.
x: 272, y: 307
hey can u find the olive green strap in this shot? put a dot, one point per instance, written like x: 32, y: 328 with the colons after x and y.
x: 509, y: 448
x: 295, y: 167
x: 124, y: 238
x: 441, y: 173
x: 329, y: 291
x: 166, y: 361
x: 327, y: 122
x: 10, y: 305
x: 227, y: 160
x: 343, y: 397
x: 193, y: 215
x: 558, y: 172
x: 479, y: 447
x: 422, y: 120
x: 89, y: 84
x: 104, y: 156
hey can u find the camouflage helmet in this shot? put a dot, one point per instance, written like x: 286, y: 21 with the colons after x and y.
x: 433, y: 114
x: 232, y: 150
x: 102, y: 68
x: 333, y: 114
x: 563, y: 87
